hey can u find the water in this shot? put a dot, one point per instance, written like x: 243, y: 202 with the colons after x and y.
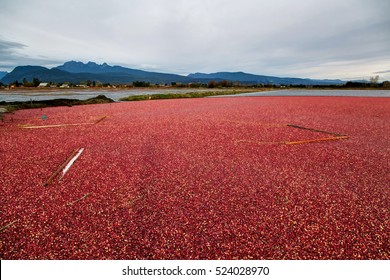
x: 34, y: 95
x: 10, y: 96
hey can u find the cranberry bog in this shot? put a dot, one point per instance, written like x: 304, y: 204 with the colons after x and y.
x: 212, y: 178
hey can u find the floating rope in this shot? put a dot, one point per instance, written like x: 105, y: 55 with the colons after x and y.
x: 100, y: 119
x: 62, y: 125
x: 77, y: 200
x: 258, y: 142
x: 316, y: 140
x: 55, y: 125
x: 337, y: 136
x: 7, y: 225
x: 313, y: 129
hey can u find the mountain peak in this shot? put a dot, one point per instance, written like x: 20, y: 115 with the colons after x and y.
x: 80, y: 67
x: 73, y: 62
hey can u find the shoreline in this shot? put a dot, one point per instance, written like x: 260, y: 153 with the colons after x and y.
x: 142, y: 94
x: 69, y: 91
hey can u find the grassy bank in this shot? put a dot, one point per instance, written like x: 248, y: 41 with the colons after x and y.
x: 9, y: 107
x: 194, y: 94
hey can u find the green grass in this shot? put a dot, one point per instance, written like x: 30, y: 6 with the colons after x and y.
x: 13, y: 106
x: 194, y: 94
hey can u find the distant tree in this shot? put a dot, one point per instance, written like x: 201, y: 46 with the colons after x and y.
x: 26, y: 83
x: 15, y: 83
x: 141, y: 84
x: 194, y: 85
x: 386, y: 84
x: 374, y: 80
x: 225, y: 83
x: 36, y: 82
x: 355, y: 84
x: 211, y: 84
x: 181, y: 85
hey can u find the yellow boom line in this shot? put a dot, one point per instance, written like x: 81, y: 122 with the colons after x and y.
x: 62, y: 125
x: 315, y: 140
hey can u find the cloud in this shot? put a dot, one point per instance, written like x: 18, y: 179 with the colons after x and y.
x: 9, y: 56
x: 382, y: 72
x: 12, y: 55
x: 8, y: 48
x: 321, y: 38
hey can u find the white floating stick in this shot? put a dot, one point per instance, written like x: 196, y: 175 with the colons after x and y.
x: 70, y: 163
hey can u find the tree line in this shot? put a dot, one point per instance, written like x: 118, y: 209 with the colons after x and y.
x: 372, y: 83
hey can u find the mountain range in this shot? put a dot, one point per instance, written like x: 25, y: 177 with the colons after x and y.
x: 2, y: 74
x: 78, y: 72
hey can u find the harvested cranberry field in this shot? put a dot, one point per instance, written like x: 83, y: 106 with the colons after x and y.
x: 214, y: 178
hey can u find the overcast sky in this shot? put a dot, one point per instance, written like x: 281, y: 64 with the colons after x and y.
x: 347, y: 39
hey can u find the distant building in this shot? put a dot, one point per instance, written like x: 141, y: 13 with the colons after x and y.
x: 43, y: 85
x: 64, y: 86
